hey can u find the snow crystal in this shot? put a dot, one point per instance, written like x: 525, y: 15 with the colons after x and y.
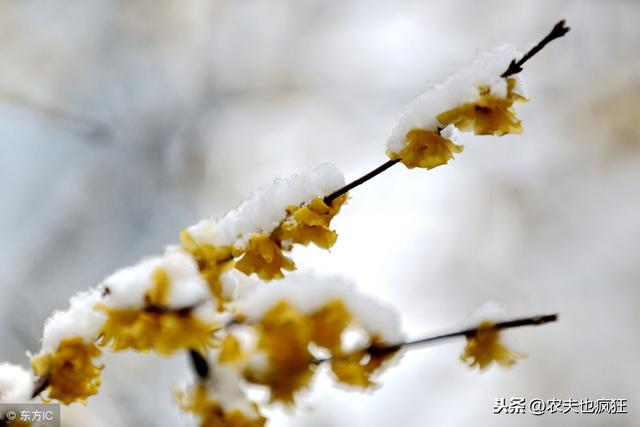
x: 459, y: 88
x: 265, y: 209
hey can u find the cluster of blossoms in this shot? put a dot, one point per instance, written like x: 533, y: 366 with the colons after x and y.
x: 215, y: 293
x: 473, y: 99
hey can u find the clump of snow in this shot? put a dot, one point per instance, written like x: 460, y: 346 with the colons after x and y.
x: 16, y: 384
x: 126, y: 288
x: 79, y: 320
x: 265, y: 209
x: 308, y: 292
x: 459, y: 88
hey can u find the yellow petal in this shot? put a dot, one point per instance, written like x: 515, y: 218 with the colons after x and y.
x: 484, y: 347
x: 70, y: 371
x: 357, y: 368
x: 328, y: 324
x: 264, y: 257
x: 310, y: 223
x: 212, y: 261
x: 487, y: 116
x: 426, y: 149
x: 162, y: 331
x: 285, y: 335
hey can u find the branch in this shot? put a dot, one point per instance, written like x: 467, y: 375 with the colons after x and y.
x: 383, y: 167
x: 559, y: 30
x: 516, y: 323
x: 199, y: 365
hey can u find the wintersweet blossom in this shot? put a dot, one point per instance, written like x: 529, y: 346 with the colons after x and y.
x: 310, y: 223
x: 358, y: 367
x: 70, y: 371
x: 264, y: 256
x: 488, y: 344
x: 491, y: 114
x: 485, y: 347
x: 427, y: 149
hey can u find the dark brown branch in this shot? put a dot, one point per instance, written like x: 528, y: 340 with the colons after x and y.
x: 383, y: 167
x: 39, y: 386
x: 559, y: 30
x: 199, y: 364
x: 527, y: 321
x: 516, y: 323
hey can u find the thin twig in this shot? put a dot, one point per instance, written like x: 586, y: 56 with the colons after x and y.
x: 407, y: 345
x: 199, y: 364
x: 39, y: 386
x: 559, y: 30
x: 527, y: 321
x: 383, y: 167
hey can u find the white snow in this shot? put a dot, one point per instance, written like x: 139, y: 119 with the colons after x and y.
x: 16, y: 384
x: 127, y: 287
x: 266, y: 208
x: 459, y: 88
x: 79, y: 320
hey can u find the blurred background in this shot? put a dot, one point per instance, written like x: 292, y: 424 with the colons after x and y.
x: 122, y: 122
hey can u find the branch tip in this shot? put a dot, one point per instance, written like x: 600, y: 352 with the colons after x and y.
x: 558, y: 30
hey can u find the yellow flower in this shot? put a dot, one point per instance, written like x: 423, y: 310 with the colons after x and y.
x: 212, y: 414
x: 284, y: 337
x: 154, y: 329
x: 328, y: 324
x: 70, y: 372
x: 212, y: 261
x: 357, y: 368
x: 487, y: 116
x: 264, y: 257
x: 230, y: 350
x: 484, y: 347
x: 425, y: 149
x: 310, y: 223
